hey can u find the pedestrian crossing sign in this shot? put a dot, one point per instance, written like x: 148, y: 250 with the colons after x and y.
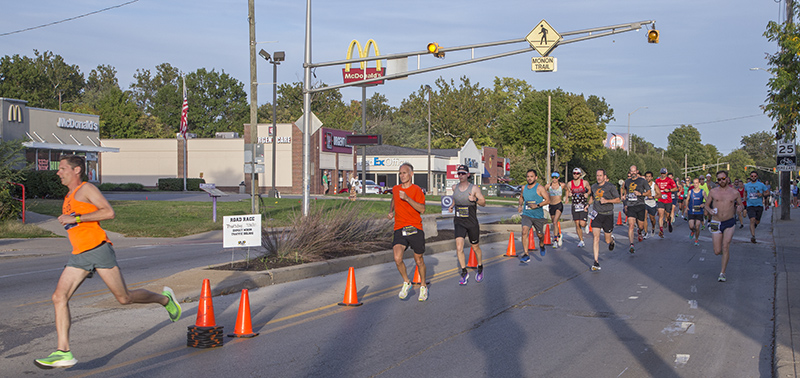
x: 543, y: 38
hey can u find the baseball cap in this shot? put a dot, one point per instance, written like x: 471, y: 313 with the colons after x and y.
x: 462, y: 168
x: 701, y: 177
x: 576, y: 170
x: 555, y: 174
x: 663, y: 170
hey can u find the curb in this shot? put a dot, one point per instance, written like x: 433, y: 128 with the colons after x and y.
x: 224, y: 282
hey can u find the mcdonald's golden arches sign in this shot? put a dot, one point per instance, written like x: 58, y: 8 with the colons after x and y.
x: 351, y: 75
x: 14, y: 113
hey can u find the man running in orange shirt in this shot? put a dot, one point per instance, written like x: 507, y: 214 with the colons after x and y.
x: 408, y: 204
x: 84, y: 207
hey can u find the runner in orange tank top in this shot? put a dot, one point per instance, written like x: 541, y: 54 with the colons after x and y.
x: 83, y: 209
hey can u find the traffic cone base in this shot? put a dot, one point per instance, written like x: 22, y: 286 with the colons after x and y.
x: 205, y: 309
x: 473, y: 261
x: 350, y: 294
x: 547, y: 235
x: 511, y: 250
x: 244, y: 327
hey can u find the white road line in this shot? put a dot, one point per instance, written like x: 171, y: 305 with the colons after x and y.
x: 693, y: 289
x: 695, y: 276
x: 681, y: 359
x: 693, y: 304
x: 702, y: 259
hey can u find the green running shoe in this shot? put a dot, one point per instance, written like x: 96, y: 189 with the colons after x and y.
x: 173, y: 307
x: 57, y: 359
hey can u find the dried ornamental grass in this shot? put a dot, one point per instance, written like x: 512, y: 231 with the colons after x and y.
x: 327, y: 233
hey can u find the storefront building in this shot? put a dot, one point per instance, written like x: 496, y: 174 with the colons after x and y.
x: 47, y: 134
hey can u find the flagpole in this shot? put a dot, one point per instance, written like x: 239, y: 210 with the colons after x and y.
x: 184, y: 131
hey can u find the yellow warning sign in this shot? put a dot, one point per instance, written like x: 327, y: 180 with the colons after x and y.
x: 543, y: 38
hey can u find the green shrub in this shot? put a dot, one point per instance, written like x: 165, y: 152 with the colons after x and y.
x: 129, y: 187
x: 176, y: 184
x: 42, y: 184
x: 9, y: 207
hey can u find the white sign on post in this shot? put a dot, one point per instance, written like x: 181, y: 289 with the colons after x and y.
x: 544, y: 64
x: 786, y: 149
x: 241, y: 231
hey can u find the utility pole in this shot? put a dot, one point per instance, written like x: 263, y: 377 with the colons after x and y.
x: 784, y: 176
x: 251, y: 19
x: 548, y: 140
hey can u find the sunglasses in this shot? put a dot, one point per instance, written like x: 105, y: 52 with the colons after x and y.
x: 461, y: 173
x: 721, y: 178
x: 575, y: 173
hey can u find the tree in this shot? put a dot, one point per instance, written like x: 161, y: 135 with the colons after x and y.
x: 602, y: 111
x: 760, y: 146
x: 217, y: 103
x: 738, y: 159
x: 783, y: 95
x: 45, y: 81
x: 641, y: 146
x: 685, y: 140
x: 12, y: 161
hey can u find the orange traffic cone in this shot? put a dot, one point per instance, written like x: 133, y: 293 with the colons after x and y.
x: 547, y: 235
x: 619, y: 218
x: 531, y: 241
x: 350, y: 294
x: 205, y: 311
x: 416, y: 280
x: 243, y: 326
x: 511, y: 250
x: 473, y: 261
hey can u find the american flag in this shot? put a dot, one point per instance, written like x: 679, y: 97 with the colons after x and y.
x: 184, y: 110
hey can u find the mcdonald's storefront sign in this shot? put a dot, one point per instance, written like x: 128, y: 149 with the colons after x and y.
x: 351, y: 75
x: 14, y: 113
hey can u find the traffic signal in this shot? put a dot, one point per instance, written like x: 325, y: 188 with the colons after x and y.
x: 774, y: 170
x: 434, y: 49
x: 652, y: 36
x: 704, y: 167
x: 728, y: 167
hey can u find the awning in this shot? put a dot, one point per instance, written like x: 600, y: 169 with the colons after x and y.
x: 68, y: 147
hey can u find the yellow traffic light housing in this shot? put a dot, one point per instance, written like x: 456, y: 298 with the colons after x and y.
x: 652, y: 36
x: 434, y: 49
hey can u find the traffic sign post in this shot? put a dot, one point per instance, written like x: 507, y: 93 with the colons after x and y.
x: 543, y: 38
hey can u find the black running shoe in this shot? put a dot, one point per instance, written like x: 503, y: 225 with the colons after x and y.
x: 669, y: 226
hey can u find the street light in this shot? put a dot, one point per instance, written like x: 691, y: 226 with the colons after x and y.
x: 763, y: 69
x: 276, y: 59
x: 428, y: 87
x: 629, y: 128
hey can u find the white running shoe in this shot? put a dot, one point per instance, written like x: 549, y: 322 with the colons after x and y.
x: 404, y: 291
x: 580, y: 244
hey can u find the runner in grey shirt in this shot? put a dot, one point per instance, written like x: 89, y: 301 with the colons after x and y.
x: 604, y: 196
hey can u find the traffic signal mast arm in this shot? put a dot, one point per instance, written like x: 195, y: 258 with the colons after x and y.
x: 590, y: 34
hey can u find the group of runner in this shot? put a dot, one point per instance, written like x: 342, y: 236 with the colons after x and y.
x: 85, y: 206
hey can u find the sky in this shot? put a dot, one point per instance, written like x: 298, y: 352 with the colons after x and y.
x: 698, y: 74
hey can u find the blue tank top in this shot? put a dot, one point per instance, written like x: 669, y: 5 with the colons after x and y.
x: 529, y: 195
x: 696, y: 202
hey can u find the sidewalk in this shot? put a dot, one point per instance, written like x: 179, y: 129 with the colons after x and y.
x: 787, y: 302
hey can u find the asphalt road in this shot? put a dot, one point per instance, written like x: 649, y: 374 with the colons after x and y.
x: 657, y: 313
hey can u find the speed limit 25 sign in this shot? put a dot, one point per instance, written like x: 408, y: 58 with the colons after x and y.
x: 786, y: 149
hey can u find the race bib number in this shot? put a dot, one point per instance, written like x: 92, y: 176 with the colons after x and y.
x: 713, y: 226
x: 530, y: 204
x: 753, y: 195
x: 632, y: 197
x: 697, y: 208
x: 593, y: 214
x: 409, y: 230
x: 580, y: 207
x: 664, y: 196
x: 462, y: 211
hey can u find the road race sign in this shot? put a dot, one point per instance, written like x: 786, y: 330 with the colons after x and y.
x: 786, y: 149
x: 543, y: 38
x: 786, y: 163
x: 241, y: 231
x: 544, y: 64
